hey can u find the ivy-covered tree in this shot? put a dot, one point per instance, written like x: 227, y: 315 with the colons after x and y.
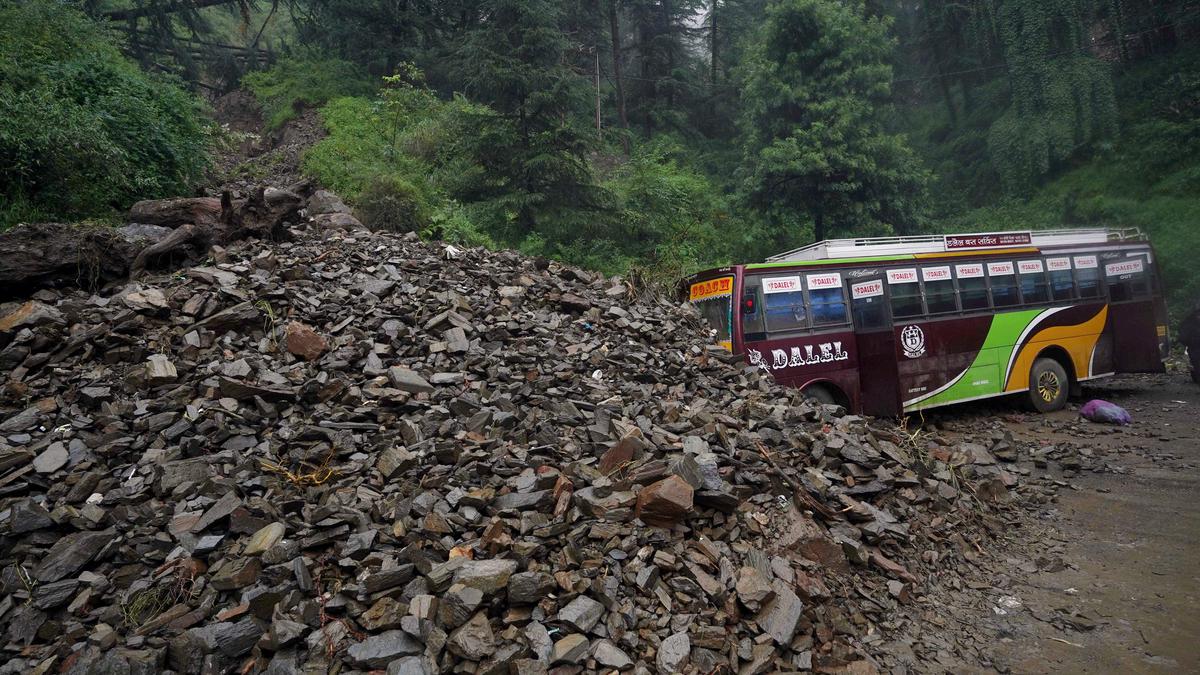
x: 817, y: 80
x: 533, y: 149
x: 1062, y: 97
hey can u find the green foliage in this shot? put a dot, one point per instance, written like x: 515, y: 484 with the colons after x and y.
x: 817, y: 79
x: 1148, y: 178
x: 82, y: 130
x: 1062, y: 98
x: 390, y: 202
x: 530, y: 145
x: 293, y: 84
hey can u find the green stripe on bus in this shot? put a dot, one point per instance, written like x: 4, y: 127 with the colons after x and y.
x: 984, y: 377
x: 831, y: 261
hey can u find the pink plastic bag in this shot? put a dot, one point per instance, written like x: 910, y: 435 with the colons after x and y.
x: 1098, y: 410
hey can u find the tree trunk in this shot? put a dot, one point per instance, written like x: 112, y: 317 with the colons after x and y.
x: 712, y: 76
x: 819, y: 226
x: 614, y: 28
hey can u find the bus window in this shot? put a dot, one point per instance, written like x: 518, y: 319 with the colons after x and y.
x: 1004, y: 284
x: 785, y: 311
x: 1034, y: 288
x: 972, y: 287
x: 869, y: 309
x: 1062, y: 283
x: 751, y: 312
x: 939, y: 290
x: 1126, y: 279
x: 828, y: 306
x: 1087, y: 276
x: 905, y: 293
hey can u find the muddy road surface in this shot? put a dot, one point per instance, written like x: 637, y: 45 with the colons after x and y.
x: 1104, y: 576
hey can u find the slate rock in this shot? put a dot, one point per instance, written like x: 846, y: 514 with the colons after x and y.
x: 378, y: 651
x: 474, y: 639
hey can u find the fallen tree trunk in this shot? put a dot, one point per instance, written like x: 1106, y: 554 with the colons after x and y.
x: 57, y: 254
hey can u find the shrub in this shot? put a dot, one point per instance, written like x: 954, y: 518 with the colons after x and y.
x: 392, y: 203
x: 305, y: 81
x: 83, y: 131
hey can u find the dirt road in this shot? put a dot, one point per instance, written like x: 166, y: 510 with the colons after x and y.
x: 1104, y: 577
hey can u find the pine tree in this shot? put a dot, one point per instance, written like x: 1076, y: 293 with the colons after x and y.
x: 533, y: 149
x: 817, y: 80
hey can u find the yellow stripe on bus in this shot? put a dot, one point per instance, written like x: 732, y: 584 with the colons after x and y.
x: 1077, y: 340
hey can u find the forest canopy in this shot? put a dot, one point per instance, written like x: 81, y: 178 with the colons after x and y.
x: 660, y: 134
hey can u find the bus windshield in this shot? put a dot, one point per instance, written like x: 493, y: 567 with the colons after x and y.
x: 713, y: 298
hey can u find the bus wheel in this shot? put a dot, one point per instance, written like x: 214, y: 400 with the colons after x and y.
x: 1048, y: 385
x: 819, y: 394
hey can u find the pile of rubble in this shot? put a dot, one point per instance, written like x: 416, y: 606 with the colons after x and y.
x: 354, y: 452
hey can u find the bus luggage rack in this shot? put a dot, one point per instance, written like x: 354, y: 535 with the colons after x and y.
x: 936, y: 243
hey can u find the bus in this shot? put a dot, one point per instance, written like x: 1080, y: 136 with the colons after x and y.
x: 888, y: 326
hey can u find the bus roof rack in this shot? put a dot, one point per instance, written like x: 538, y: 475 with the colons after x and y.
x: 941, y: 243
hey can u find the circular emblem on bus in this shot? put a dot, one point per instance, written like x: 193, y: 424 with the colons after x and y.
x: 912, y: 338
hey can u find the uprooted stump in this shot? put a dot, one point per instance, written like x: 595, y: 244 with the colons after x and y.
x: 56, y: 254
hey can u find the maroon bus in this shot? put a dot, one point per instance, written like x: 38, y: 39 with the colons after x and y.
x: 891, y: 325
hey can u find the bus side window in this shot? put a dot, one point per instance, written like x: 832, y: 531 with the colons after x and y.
x: 1088, y: 279
x: 973, y: 293
x: 1062, y: 286
x: 752, y: 314
x: 870, y: 313
x: 906, y: 300
x: 786, y: 311
x: 939, y: 296
x: 1033, y: 288
x: 1128, y: 286
x: 828, y: 306
x: 1004, y: 291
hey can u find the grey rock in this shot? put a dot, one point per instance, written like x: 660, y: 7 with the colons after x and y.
x: 673, y: 653
x: 409, y: 380
x: 582, y: 613
x: 378, y: 651
x: 473, y: 640
x: 488, y: 576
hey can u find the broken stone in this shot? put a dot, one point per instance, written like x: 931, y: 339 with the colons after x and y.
x: 665, y: 503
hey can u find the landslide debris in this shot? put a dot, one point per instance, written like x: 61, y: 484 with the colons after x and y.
x: 350, y: 452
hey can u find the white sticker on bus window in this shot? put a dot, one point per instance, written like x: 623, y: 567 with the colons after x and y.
x: 867, y: 289
x: 1085, y: 262
x: 781, y: 284
x: 1130, y: 266
x: 936, y: 273
x: 830, y: 280
x: 1058, y: 264
x: 1030, y: 266
x: 904, y: 276
x: 998, y: 269
x: 969, y: 271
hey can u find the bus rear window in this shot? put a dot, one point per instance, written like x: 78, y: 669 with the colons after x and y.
x: 713, y: 299
x: 716, y: 311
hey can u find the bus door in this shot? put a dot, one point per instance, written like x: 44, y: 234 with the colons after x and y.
x: 879, y: 376
x: 1133, y: 315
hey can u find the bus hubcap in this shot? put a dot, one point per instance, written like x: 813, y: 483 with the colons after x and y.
x: 1048, y: 386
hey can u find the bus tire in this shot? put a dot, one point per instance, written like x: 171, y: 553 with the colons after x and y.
x: 820, y: 394
x: 1049, y: 385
